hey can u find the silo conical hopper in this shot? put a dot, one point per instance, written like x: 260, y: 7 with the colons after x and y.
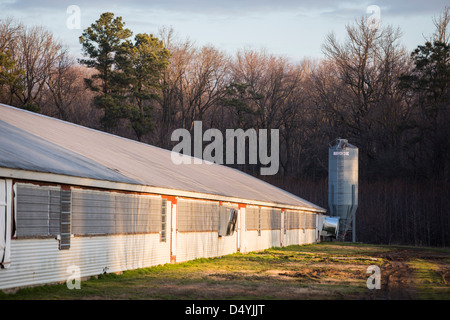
x: 343, y: 185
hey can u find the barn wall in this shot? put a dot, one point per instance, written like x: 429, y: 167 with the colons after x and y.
x: 262, y: 229
x: 191, y: 232
x: 197, y: 231
x: 299, y: 236
x: 193, y: 245
x: 267, y: 239
x: 39, y: 261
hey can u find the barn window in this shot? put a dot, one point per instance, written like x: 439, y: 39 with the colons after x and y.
x: 299, y: 220
x: 270, y: 219
x: 196, y: 215
x: 37, y: 211
x: 310, y: 221
x: 92, y: 212
x: 253, y: 219
x: 42, y: 211
x: 103, y: 212
x: 294, y: 219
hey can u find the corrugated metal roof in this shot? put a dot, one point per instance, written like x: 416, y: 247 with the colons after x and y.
x: 33, y: 142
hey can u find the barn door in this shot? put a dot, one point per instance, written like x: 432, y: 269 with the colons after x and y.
x: 5, y: 221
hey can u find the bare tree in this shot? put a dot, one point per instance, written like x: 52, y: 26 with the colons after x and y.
x: 366, y: 101
x: 9, y: 31
x: 270, y: 82
x: 171, y: 100
x: 203, y: 84
x: 442, y: 24
x: 65, y: 87
x: 36, y: 51
x: 10, y: 74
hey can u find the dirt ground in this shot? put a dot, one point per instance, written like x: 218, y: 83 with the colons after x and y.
x: 406, y: 274
x: 325, y: 271
x: 306, y: 273
x: 402, y: 281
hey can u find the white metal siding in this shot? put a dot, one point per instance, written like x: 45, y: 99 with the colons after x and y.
x: 300, y: 236
x: 193, y: 245
x: 267, y: 239
x: 39, y: 261
x: 5, y: 221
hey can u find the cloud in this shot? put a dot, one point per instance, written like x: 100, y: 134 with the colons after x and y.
x: 173, y: 5
x: 400, y: 7
x: 232, y: 23
x: 234, y: 8
x: 411, y: 7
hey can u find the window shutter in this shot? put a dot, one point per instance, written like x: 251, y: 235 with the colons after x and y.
x: 163, y: 220
x: 259, y: 222
x: 64, y: 242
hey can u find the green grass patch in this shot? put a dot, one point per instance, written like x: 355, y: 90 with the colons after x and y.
x: 431, y: 279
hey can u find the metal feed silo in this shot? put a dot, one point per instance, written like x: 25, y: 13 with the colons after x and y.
x: 343, y: 185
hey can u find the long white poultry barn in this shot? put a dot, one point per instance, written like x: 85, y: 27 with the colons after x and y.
x: 73, y: 198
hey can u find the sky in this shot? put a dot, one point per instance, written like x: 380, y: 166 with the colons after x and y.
x: 295, y: 29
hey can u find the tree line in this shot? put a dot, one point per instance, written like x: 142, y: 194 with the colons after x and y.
x: 392, y: 104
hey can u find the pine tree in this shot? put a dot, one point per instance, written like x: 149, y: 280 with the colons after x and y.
x: 100, y: 43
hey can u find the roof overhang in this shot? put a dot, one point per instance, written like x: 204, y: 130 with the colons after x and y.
x: 120, y: 186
